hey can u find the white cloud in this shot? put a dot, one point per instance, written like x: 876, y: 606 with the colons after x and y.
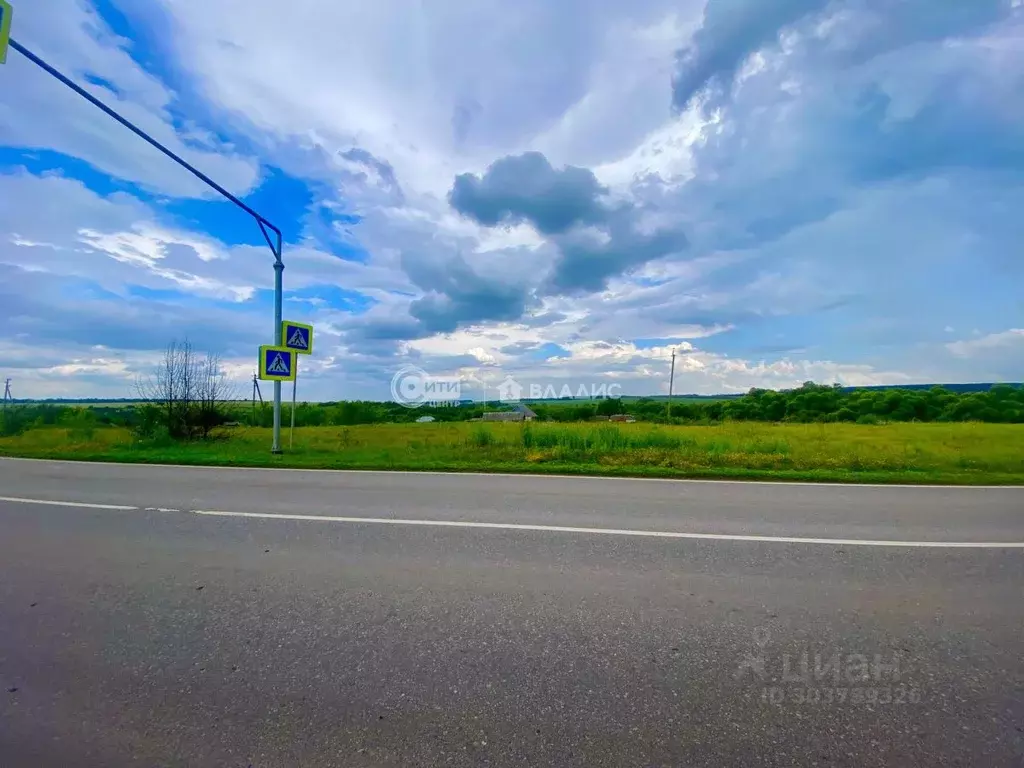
x: 71, y: 36
x: 1010, y: 341
x: 443, y: 87
x: 637, y: 370
x: 60, y: 226
x: 150, y: 248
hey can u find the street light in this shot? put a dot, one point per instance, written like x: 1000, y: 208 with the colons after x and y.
x: 265, y: 225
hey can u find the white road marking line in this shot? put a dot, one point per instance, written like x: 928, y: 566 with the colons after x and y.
x: 539, y: 476
x: 161, y: 509
x: 621, y: 532
x: 84, y: 505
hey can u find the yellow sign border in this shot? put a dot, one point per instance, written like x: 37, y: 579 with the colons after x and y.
x: 285, y: 324
x: 264, y: 376
x: 5, y: 29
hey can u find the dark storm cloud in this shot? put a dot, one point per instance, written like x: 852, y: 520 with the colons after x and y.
x: 595, y: 240
x: 733, y: 30
x: 457, y: 295
x: 584, y: 264
x: 525, y: 187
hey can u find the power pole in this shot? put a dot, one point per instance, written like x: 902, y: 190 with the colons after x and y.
x: 255, y: 392
x: 8, y: 398
x: 671, y: 382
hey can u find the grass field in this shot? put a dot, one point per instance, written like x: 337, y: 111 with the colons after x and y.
x: 911, y: 453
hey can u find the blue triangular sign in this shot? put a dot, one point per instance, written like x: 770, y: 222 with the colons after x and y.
x: 279, y: 366
x: 298, y: 339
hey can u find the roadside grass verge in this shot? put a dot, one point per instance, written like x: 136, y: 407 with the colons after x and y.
x: 961, y: 453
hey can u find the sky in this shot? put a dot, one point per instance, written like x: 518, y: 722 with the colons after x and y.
x: 558, y: 192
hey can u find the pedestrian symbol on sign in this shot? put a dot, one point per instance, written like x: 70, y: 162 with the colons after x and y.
x: 297, y: 337
x: 278, y: 367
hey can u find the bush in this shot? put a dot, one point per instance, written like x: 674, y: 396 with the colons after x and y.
x: 79, y: 422
x: 148, y: 421
x: 845, y: 414
x: 158, y: 437
x: 482, y: 437
x: 13, y: 421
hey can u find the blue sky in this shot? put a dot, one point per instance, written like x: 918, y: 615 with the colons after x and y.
x: 559, y: 192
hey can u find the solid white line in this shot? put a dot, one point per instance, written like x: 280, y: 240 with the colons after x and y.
x: 538, y: 476
x: 50, y: 502
x: 620, y: 532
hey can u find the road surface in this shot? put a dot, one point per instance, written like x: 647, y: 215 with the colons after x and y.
x: 207, y: 617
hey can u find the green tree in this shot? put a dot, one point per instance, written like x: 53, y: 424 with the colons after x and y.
x: 610, y: 407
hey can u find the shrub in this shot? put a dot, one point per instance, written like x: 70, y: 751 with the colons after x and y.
x: 13, y: 421
x: 482, y: 437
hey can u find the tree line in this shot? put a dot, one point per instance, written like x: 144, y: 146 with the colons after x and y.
x: 822, y: 403
x: 189, y: 400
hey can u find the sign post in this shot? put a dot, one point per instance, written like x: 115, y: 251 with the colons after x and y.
x: 298, y: 337
x: 295, y: 386
x: 6, y: 12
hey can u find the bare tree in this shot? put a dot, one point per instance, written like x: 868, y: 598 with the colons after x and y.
x: 213, y: 391
x: 189, y: 391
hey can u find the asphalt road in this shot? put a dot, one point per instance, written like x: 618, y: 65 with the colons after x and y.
x: 137, y: 632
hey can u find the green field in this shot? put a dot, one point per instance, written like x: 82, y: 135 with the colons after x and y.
x: 967, y: 453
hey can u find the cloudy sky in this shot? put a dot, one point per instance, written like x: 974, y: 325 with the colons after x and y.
x: 560, y: 191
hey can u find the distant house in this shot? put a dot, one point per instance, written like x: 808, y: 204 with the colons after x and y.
x: 505, y: 416
x: 622, y: 417
x: 425, y: 419
x: 520, y: 413
x: 528, y: 413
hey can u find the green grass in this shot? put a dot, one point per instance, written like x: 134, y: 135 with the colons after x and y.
x: 910, y: 453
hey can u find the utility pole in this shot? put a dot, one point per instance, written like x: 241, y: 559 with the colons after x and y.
x: 671, y: 382
x: 275, y: 242
x: 8, y: 398
x: 255, y: 392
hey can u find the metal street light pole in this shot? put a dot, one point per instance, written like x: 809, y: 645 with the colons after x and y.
x: 275, y: 243
x: 278, y: 270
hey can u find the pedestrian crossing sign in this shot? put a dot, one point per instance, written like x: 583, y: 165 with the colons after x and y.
x: 277, y: 363
x: 297, y: 337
